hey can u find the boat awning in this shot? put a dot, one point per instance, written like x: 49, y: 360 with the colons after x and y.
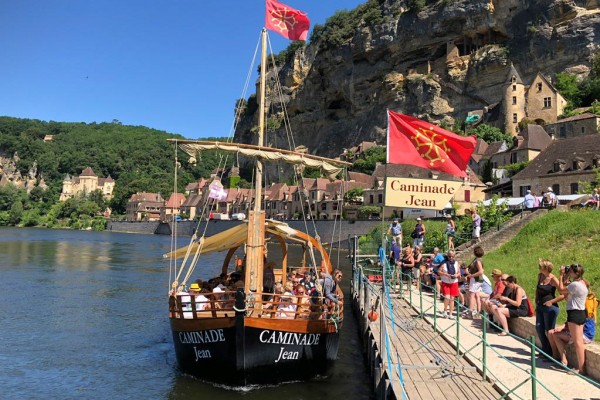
x: 231, y: 238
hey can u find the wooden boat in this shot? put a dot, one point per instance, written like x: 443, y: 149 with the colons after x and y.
x: 248, y: 335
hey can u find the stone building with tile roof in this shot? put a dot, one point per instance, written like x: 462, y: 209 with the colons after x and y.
x: 562, y: 166
x: 578, y: 125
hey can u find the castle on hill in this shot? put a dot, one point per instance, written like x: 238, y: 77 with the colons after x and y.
x: 86, y: 183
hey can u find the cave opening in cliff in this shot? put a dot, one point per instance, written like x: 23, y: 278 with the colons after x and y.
x: 470, y: 43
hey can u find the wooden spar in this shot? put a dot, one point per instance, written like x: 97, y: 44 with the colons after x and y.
x: 317, y: 245
x: 255, y: 252
x: 263, y: 148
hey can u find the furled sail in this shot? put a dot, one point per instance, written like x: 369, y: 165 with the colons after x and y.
x: 265, y: 153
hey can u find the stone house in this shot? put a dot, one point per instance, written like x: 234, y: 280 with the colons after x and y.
x: 192, y: 205
x: 530, y: 142
x: 563, y: 166
x: 578, y: 125
x: 144, y: 207
x: 86, y: 183
x: 172, y: 207
x: 540, y: 101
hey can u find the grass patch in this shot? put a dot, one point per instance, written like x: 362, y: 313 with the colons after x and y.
x: 561, y: 237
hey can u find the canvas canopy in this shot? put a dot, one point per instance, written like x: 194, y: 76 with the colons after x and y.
x: 263, y: 153
x: 233, y: 237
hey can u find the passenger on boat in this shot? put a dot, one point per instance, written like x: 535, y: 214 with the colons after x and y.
x: 269, y: 277
x: 286, y: 307
x: 202, y: 302
x: 303, y: 301
x: 330, y: 285
x: 308, y: 282
x: 218, y: 293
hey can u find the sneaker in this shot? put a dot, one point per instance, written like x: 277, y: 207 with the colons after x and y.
x: 445, y: 315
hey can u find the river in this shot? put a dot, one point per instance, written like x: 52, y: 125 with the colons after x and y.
x: 84, y: 315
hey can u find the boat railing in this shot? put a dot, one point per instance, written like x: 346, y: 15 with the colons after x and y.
x: 279, y: 306
x: 261, y: 305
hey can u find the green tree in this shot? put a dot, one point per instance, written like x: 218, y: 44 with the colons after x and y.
x: 368, y: 160
x: 490, y: 134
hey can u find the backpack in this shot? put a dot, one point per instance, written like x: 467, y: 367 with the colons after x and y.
x: 591, y: 306
x: 450, y: 267
x: 481, y: 223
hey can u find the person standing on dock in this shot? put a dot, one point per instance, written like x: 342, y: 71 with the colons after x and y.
x: 395, y: 230
x: 449, y: 271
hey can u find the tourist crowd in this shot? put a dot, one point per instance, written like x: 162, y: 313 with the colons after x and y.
x: 502, y: 298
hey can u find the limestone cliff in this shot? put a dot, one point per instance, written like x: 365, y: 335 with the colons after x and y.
x: 438, y: 63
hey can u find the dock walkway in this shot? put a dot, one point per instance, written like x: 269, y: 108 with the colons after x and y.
x: 420, y: 360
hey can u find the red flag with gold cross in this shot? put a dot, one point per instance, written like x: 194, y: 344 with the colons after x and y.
x: 415, y: 142
x: 288, y: 22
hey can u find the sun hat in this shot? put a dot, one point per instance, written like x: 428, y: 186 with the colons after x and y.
x: 418, y: 219
x: 549, y: 189
x: 195, y: 286
x: 496, y: 272
x: 217, y: 290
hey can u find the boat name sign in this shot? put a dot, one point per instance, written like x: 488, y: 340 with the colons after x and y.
x: 290, y: 338
x: 208, y: 336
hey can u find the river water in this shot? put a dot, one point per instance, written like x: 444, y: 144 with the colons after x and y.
x: 84, y: 315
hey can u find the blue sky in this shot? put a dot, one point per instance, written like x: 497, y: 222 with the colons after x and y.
x: 173, y: 65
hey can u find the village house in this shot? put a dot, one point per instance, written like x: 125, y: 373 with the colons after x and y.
x: 86, y: 183
x: 563, y: 166
x: 144, y: 207
x: 579, y: 125
x: 172, y: 207
x: 539, y: 101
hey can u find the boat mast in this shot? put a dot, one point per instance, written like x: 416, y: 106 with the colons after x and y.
x: 256, y: 250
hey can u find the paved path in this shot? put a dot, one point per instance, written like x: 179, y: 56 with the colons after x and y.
x: 508, y: 359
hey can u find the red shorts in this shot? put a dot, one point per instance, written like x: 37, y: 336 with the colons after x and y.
x: 450, y: 289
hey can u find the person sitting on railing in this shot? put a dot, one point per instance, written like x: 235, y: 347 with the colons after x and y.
x: 514, y: 306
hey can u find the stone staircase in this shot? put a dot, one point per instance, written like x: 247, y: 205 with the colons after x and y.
x: 495, y: 237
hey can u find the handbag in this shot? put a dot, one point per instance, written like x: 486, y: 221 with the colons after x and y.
x: 530, y: 310
x: 414, y: 234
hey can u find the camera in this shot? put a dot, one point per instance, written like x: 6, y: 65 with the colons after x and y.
x: 566, y: 269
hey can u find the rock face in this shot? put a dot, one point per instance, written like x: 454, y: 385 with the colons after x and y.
x: 451, y: 57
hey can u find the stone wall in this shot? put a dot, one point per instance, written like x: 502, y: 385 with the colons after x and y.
x: 525, y: 328
x: 329, y: 231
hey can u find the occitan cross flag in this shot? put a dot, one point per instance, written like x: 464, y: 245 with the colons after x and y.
x: 415, y: 142
x: 288, y: 22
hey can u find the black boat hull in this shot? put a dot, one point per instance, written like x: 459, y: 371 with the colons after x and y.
x: 249, y: 355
